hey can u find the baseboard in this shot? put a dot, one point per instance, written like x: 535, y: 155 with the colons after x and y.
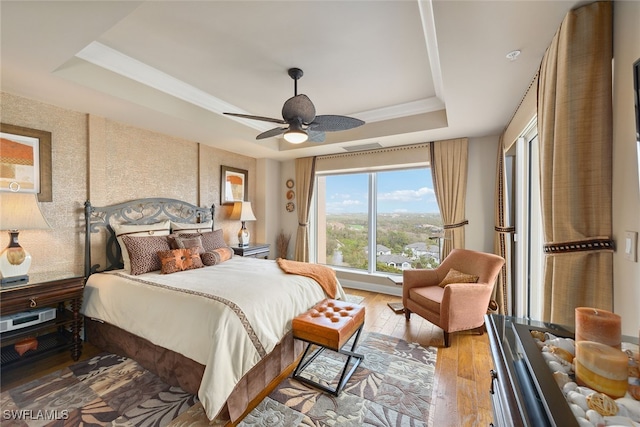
x: 372, y: 287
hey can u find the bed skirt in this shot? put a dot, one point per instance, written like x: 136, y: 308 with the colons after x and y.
x: 178, y: 370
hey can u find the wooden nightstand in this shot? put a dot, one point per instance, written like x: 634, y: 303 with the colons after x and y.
x: 60, y: 333
x: 254, y: 250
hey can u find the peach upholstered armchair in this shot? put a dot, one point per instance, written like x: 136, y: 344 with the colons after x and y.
x: 455, y: 306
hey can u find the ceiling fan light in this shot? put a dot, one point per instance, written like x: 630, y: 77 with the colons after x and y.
x: 295, y: 136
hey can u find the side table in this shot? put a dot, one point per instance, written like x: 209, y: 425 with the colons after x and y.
x: 60, y: 333
x: 254, y: 250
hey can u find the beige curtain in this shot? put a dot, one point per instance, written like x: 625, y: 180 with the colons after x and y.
x: 502, y: 242
x: 305, y: 176
x: 449, y: 173
x: 575, y: 134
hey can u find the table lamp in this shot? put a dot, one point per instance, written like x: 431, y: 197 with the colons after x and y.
x: 18, y: 211
x: 243, y: 212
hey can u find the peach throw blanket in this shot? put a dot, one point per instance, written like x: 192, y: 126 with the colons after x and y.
x: 325, y: 276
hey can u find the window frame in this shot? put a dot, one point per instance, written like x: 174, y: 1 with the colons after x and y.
x: 371, y: 215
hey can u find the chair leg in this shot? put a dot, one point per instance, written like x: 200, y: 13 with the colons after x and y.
x: 446, y: 339
x: 407, y: 314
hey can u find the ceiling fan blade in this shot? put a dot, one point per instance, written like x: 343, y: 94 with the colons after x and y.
x: 300, y: 114
x: 271, y: 132
x: 264, y: 119
x: 332, y: 123
x: 315, y: 136
x: 299, y: 106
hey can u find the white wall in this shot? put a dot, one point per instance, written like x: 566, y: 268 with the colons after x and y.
x: 626, y: 195
x: 289, y: 220
x: 483, y: 154
x: 268, y: 189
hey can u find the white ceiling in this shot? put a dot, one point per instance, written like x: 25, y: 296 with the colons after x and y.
x: 415, y: 71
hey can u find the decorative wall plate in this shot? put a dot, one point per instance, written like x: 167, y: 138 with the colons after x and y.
x: 290, y: 195
x: 289, y: 183
x: 290, y: 207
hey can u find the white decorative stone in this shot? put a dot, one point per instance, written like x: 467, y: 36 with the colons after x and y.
x: 631, y: 406
x: 570, y: 386
x: 579, y: 399
x: 577, y: 410
x: 595, y: 417
x: 619, y: 421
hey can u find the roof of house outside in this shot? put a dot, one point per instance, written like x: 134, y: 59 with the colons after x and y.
x: 396, y: 259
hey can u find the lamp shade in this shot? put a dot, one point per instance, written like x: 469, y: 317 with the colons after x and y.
x: 242, y: 211
x: 295, y: 136
x: 20, y: 211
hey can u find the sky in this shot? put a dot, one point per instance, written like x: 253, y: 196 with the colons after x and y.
x: 405, y: 191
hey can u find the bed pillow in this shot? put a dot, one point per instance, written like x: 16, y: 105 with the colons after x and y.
x: 180, y: 242
x: 210, y: 241
x: 455, y: 276
x: 183, y: 227
x: 175, y: 260
x: 216, y: 256
x: 143, y: 252
x: 136, y: 230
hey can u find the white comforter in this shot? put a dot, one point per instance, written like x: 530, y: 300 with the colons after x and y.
x: 226, y: 317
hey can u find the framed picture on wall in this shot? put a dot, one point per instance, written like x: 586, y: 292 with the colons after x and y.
x: 25, y: 165
x: 233, y: 185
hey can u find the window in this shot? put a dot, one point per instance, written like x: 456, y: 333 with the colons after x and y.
x: 529, y: 255
x: 379, y: 221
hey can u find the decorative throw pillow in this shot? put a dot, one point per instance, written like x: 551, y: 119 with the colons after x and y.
x: 210, y: 241
x: 137, y: 230
x: 455, y: 276
x: 143, y: 252
x: 180, y: 242
x: 176, y: 260
x: 217, y: 256
x: 182, y: 227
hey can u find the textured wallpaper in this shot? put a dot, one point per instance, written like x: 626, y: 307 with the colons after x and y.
x: 108, y: 162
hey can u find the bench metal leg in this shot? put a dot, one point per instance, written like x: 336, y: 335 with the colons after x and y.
x: 344, y: 376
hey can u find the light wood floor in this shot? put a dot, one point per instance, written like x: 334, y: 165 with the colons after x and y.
x: 461, y: 388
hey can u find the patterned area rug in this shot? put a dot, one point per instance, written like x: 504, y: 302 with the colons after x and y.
x: 106, y: 390
x: 354, y: 298
x: 392, y: 387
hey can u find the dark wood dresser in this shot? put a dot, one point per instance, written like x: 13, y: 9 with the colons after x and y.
x: 64, y: 296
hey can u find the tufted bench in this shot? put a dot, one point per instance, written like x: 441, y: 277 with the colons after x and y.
x: 329, y: 325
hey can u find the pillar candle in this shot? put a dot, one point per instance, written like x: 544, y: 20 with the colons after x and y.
x: 594, y: 324
x: 602, y: 368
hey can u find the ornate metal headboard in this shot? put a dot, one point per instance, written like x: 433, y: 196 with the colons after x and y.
x: 139, y: 211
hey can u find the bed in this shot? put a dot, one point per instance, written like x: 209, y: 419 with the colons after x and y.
x: 221, y: 331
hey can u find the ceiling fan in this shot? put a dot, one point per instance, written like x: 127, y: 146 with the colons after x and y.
x: 299, y: 113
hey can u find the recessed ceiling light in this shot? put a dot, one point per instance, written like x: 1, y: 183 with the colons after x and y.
x: 511, y: 56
